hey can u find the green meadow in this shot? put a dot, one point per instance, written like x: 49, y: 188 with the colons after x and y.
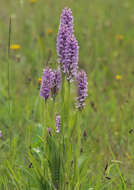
x: 95, y: 148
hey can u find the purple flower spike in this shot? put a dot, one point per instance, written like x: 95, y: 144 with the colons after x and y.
x: 58, y: 123
x: 81, y: 82
x: 71, y: 58
x: 65, y: 30
x: 46, y: 83
x: 56, y: 83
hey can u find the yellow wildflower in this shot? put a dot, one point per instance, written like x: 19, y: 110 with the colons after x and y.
x: 15, y: 47
x: 32, y: 1
x: 50, y: 31
x: 120, y: 37
x: 39, y: 80
x: 118, y: 77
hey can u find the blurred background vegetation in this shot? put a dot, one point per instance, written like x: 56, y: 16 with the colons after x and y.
x: 105, y: 32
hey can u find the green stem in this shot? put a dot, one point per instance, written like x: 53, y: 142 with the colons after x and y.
x: 45, y: 121
x: 8, y: 58
x: 46, y: 113
x: 63, y: 106
x: 8, y: 77
x: 77, y: 149
x: 68, y: 107
x: 54, y: 114
x: 62, y: 129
